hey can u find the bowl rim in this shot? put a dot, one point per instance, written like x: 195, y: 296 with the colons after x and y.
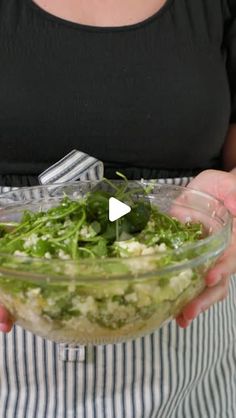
x: 226, y: 226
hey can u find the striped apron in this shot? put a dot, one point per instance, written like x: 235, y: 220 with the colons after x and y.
x: 171, y: 373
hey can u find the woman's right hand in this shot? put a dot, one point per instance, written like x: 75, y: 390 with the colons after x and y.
x: 6, y: 320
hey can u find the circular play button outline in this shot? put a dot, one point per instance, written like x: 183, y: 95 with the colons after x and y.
x: 129, y: 197
x: 117, y: 209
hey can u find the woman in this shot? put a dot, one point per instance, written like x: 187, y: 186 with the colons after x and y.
x: 149, y: 88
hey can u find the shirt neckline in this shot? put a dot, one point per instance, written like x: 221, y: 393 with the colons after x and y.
x: 49, y: 16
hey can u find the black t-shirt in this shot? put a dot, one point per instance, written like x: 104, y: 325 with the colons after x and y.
x: 159, y: 94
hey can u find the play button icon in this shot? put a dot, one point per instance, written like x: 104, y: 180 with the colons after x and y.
x: 117, y: 209
x: 126, y: 202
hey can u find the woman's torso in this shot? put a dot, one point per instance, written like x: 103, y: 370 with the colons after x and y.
x: 153, y: 94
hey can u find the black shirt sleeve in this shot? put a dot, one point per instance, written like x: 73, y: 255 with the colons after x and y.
x: 230, y: 42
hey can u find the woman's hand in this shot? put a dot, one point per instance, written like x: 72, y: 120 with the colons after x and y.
x: 223, y: 186
x: 6, y: 320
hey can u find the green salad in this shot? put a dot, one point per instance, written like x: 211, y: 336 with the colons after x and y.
x: 71, y: 243
x: 77, y: 229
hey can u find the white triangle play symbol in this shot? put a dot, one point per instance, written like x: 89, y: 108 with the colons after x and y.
x: 117, y: 209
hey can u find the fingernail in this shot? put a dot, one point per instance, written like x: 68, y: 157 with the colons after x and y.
x: 4, y: 327
x: 190, y: 316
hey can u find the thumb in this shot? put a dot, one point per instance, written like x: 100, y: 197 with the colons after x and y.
x: 230, y: 198
x: 220, y: 184
x: 230, y: 201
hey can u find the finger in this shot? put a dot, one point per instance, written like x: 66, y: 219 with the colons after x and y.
x: 218, y: 183
x: 6, y: 320
x: 225, y: 266
x: 4, y: 315
x: 6, y: 326
x: 230, y: 201
x: 208, y: 297
x: 182, y: 322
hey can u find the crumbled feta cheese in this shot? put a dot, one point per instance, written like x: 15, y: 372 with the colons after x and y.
x: 85, y: 232
x: 31, y: 293
x: 129, y: 247
x: 161, y: 248
x: 63, y: 256
x: 131, y: 297
x: 21, y: 253
x: 50, y: 302
x: 61, y: 232
x: 119, y: 312
x: 48, y: 255
x: 30, y: 241
x: 45, y: 237
x: 67, y: 222
x: 148, y: 251
x: 135, y: 248
x: 89, y: 305
x: 182, y: 280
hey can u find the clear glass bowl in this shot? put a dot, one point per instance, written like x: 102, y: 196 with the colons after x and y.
x: 110, y: 300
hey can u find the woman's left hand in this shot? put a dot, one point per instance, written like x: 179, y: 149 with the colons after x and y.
x: 223, y: 186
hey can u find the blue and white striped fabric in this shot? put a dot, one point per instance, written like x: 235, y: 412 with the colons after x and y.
x: 74, y: 166
x: 172, y: 373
